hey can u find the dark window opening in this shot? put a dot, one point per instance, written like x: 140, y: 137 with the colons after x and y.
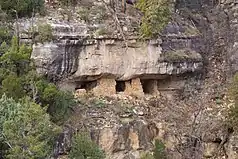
x: 120, y: 86
x: 87, y: 85
x: 148, y: 86
x: 130, y: 81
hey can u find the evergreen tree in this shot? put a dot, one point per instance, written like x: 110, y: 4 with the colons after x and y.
x: 27, y: 129
x: 59, y: 102
x: 5, y: 34
x: 19, y: 79
x: 8, y: 109
x: 83, y: 148
x: 21, y: 7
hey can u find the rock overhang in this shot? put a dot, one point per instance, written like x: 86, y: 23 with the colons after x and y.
x: 76, y: 54
x: 97, y: 58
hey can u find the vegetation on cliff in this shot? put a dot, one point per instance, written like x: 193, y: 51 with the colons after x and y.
x: 83, y: 148
x: 156, y: 15
x: 44, y: 33
x: 30, y: 105
x: 21, y: 7
x: 26, y: 130
x: 159, y: 151
x: 233, y: 113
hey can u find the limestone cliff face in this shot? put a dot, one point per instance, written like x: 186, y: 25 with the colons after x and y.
x: 108, y: 57
x: 186, y: 69
x: 76, y: 59
x: 86, y: 59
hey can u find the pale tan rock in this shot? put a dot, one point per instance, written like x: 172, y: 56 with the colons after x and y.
x: 210, y: 149
x: 134, y: 140
x: 232, y: 147
x: 105, y: 87
x: 80, y: 92
x: 106, y: 139
x: 105, y: 58
x: 134, y: 87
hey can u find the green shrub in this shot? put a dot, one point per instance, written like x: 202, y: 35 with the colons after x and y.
x: 101, y: 31
x: 156, y: 16
x: 26, y: 129
x: 14, y: 65
x: 159, y: 150
x: 68, y: 2
x: 13, y: 87
x: 3, y: 48
x: 59, y: 103
x: 233, y: 91
x: 45, y: 33
x: 84, y: 14
x: 5, y: 34
x: 181, y: 55
x: 83, y: 148
x: 191, y: 31
x: 17, y: 58
x: 18, y: 78
x: 22, y: 7
x: 98, y: 14
x: 8, y: 110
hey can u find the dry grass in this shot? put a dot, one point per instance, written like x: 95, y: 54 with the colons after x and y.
x: 181, y: 56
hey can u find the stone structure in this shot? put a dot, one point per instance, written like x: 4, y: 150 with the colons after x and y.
x: 132, y: 86
x: 80, y: 61
x: 77, y: 56
x: 109, y: 86
x: 138, y: 67
x: 105, y: 87
x: 137, y: 87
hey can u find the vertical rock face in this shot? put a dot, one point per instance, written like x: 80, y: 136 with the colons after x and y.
x: 84, y: 62
x: 232, y: 147
x: 58, y: 60
x: 190, y: 46
x: 121, y: 141
x: 78, y: 59
x: 231, y: 9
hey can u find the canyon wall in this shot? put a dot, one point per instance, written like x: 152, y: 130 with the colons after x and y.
x: 184, y: 71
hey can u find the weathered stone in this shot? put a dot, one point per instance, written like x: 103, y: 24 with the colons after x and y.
x: 134, y: 87
x: 210, y: 149
x: 73, y: 60
x: 105, y: 87
x: 106, y: 139
x: 134, y: 139
x: 232, y: 147
x: 80, y: 92
x: 75, y: 57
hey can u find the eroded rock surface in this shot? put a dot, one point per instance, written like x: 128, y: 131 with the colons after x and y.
x: 85, y: 60
x: 187, y: 69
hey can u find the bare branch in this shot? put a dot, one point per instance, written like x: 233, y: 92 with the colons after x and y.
x: 116, y: 20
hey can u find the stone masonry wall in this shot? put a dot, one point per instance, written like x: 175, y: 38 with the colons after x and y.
x: 105, y: 86
x: 134, y: 87
x: 150, y: 87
